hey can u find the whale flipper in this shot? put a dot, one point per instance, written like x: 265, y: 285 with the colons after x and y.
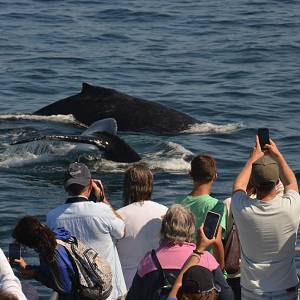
x: 114, y: 148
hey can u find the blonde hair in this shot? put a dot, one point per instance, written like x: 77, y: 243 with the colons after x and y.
x: 178, y: 225
x: 138, y: 184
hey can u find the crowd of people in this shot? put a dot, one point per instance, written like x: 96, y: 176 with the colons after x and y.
x: 156, y: 252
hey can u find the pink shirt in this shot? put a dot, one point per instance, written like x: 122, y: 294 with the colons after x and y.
x: 173, y: 257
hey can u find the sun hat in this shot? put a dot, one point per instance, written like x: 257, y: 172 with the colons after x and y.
x: 198, y: 279
x: 77, y: 173
x: 265, y: 171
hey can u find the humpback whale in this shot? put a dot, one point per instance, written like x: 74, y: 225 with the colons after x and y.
x: 101, y: 134
x: 131, y: 113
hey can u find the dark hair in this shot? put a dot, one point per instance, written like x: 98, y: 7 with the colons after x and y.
x: 213, y: 295
x: 33, y: 234
x: 203, y: 168
x: 75, y: 189
x: 7, y: 295
x: 138, y: 184
x: 265, y: 188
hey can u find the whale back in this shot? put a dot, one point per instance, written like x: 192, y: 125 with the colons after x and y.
x: 131, y: 113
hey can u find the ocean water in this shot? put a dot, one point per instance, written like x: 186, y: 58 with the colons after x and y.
x: 234, y: 65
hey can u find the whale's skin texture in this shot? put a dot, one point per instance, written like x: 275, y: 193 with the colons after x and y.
x: 131, y: 113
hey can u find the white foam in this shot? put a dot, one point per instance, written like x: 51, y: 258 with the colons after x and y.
x: 35, y: 152
x: 54, y: 118
x: 213, y: 128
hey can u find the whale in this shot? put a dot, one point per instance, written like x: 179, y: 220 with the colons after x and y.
x: 102, y: 134
x: 131, y: 113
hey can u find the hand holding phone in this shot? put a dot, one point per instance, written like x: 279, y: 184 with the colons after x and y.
x: 14, y: 252
x: 211, y: 224
x: 264, y: 137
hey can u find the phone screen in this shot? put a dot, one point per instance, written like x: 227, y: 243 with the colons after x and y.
x: 211, y: 224
x: 14, y: 252
x: 263, y: 136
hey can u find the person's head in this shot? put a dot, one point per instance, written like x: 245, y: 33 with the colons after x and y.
x: 198, y: 284
x: 77, y: 179
x: 138, y: 184
x: 178, y: 225
x: 265, y: 174
x: 30, y: 232
x: 7, y: 295
x: 203, y: 169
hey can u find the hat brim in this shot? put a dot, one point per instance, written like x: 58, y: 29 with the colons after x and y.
x: 82, y: 182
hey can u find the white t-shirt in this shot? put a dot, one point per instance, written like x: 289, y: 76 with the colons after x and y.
x: 96, y: 225
x: 142, y: 222
x: 8, y: 281
x: 267, y: 232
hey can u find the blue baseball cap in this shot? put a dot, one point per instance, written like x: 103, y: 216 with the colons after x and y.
x: 77, y: 173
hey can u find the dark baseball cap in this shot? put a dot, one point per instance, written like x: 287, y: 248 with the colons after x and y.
x: 265, y: 171
x: 77, y: 173
x: 198, y: 279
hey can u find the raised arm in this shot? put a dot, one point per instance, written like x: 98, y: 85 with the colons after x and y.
x: 218, y: 249
x: 242, y: 179
x: 287, y: 176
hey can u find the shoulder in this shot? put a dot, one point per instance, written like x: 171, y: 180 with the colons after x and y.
x: 292, y: 197
x: 238, y: 195
x: 155, y: 205
x: 146, y: 265
x: 292, y: 194
x: 208, y: 261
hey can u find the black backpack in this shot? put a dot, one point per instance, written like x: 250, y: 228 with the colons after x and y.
x: 166, y: 280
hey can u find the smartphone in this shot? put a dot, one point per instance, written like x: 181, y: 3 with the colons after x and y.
x: 263, y: 136
x: 211, y: 224
x: 14, y: 252
x: 92, y: 196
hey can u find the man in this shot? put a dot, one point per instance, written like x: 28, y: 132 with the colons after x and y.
x: 204, y: 174
x: 267, y: 226
x: 96, y: 224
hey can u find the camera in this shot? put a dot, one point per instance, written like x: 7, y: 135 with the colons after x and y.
x: 93, y: 196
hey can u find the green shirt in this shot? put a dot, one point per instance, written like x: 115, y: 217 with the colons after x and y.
x: 200, y: 205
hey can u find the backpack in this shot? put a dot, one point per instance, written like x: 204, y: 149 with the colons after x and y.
x: 232, y: 251
x: 94, y: 277
x: 166, y: 280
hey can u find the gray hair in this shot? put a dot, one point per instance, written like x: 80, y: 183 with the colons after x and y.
x: 178, y: 225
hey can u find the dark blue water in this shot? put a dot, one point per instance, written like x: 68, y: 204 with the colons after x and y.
x: 231, y: 64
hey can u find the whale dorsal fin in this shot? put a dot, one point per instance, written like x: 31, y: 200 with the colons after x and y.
x: 105, y: 125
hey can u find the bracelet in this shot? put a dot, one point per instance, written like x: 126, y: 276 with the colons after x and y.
x: 198, y: 252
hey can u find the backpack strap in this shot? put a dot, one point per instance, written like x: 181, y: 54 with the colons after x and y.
x: 162, y: 273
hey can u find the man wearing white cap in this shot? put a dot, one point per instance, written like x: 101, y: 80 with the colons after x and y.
x: 267, y: 226
x: 96, y: 224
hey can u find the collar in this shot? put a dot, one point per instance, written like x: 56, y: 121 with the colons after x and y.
x: 74, y: 199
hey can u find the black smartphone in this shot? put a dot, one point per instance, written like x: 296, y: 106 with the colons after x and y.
x: 92, y: 196
x: 263, y: 136
x: 211, y: 224
x: 14, y: 252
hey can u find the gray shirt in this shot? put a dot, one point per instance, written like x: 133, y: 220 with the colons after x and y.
x: 268, y: 232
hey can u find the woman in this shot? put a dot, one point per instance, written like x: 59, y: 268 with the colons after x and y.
x: 142, y: 219
x: 177, y: 231
x: 55, y: 269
